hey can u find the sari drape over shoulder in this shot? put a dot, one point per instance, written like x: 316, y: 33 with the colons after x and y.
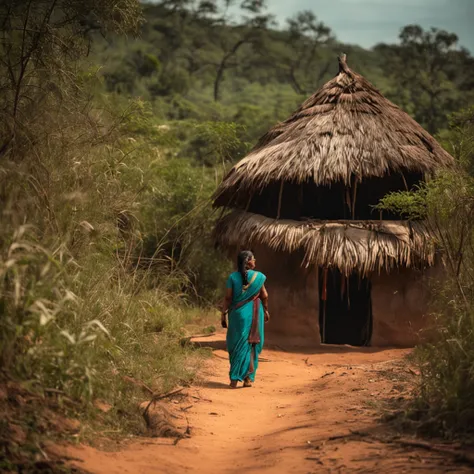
x: 245, y: 335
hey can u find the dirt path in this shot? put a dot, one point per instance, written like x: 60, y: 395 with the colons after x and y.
x: 295, y: 419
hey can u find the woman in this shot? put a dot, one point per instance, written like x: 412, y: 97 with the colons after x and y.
x: 246, y: 301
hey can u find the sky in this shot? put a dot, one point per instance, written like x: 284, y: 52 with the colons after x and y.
x: 368, y: 22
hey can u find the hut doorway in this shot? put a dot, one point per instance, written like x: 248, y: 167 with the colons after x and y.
x: 345, y: 308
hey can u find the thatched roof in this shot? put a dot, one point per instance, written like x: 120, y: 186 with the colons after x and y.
x: 345, y: 134
x: 347, y: 128
x: 365, y: 246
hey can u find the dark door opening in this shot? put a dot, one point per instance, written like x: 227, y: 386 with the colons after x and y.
x: 345, y: 308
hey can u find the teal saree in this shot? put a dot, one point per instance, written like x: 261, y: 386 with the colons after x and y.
x: 244, y: 340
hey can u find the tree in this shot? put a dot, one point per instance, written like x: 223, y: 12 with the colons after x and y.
x: 179, y: 31
x: 304, y: 64
x: 429, y: 71
x: 39, y: 42
x: 459, y: 138
x: 249, y: 32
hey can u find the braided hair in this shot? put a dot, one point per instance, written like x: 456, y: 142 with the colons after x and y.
x: 242, y: 259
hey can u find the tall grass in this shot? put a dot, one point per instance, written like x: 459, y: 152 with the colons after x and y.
x: 446, y: 395
x: 445, y: 401
x: 80, y: 307
x: 93, y: 299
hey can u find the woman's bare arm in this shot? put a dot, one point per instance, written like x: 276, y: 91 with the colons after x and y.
x: 225, y: 306
x: 264, y: 299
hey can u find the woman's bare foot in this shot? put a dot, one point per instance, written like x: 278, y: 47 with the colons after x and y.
x: 233, y: 384
x: 247, y: 382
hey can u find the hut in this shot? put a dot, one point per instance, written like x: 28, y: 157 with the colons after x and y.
x: 339, y: 272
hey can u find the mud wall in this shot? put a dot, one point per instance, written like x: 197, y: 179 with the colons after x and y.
x: 399, y: 302
x: 293, y: 297
x: 399, y: 307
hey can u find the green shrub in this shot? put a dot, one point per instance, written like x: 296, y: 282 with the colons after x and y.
x: 83, y: 309
x: 445, y: 401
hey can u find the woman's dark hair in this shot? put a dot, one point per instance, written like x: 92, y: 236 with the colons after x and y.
x: 242, y: 260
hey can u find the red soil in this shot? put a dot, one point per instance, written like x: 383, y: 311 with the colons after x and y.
x: 298, y: 418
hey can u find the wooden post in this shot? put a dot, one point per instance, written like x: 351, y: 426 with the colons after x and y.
x: 344, y: 201
x: 404, y: 181
x: 323, y: 335
x: 324, y: 299
x: 348, y: 294
x: 354, y: 196
x: 248, y: 202
x: 348, y: 199
x: 279, y: 199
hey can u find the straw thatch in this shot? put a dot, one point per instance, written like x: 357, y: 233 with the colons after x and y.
x: 344, y: 136
x: 346, y: 129
x: 365, y: 246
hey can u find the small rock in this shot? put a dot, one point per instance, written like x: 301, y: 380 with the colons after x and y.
x: 102, y: 406
x: 71, y: 425
x: 17, y: 434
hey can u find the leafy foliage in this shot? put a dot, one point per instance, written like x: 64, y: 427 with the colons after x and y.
x: 429, y: 74
x: 205, y: 55
x: 459, y: 139
x: 407, y: 204
x: 446, y: 359
x: 82, y: 308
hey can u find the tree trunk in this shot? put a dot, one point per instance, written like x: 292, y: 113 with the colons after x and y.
x: 218, y: 80
x: 294, y: 82
x: 223, y: 65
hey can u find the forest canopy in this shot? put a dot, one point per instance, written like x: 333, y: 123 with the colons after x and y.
x: 194, y: 58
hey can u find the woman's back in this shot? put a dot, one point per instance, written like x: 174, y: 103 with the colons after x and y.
x: 255, y: 281
x: 235, y: 282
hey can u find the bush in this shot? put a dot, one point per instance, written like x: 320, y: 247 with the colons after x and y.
x: 82, y: 308
x: 445, y: 402
x: 446, y: 396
